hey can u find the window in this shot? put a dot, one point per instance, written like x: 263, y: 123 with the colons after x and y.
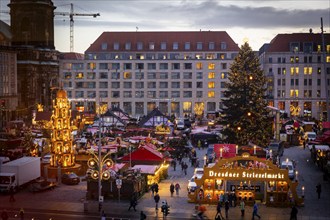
x: 294, y: 47
x: 91, y: 66
x: 151, y: 46
x: 175, y: 75
x: 211, y: 85
x: 151, y: 94
x: 67, y: 75
x: 139, y: 66
x: 115, y: 85
x: 139, y: 108
x: 283, y: 82
x: 139, y: 94
x: 199, y: 75
x: 127, y: 85
x: 128, y: 46
x: 175, y: 94
x: 175, y: 46
x: 294, y: 93
x: 103, y: 85
x: 224, y: 75
x: 115, y: 94
x: 187, y: 85
x: 308, y: 70
x: 127, y: 75
x: 222, y: 85
x: 139, y: 75
x: 139, y: 46
x: 163, y: 46
x: 223, y: 45
x: 211, y: 94
x: 188, y: 66
x: 198, y: 56
x: 187, y: 75
x: 163, y: 75
x: 115, y: 46
x: 151, y: 76
x: 199, y: 85
x: 278, y: 82
x: 187, y: 94
x: 115, y: 75
x: 115, y: 66
x: 127, y: 94
x: 221, y: 56
x: 139, y: 85
x: 211, y: 66
x: 91, y: 94
x: 151, y: 66
x: 103, y: 66
x: 199, y: 46
x: 175, y: 66
x: 223, y: 66
x: 199, y: 66
x: 199, y: 94
x: 175, y: 85
x: 79, y: 94
x: 163, y: 85
x: 187, y: 106
x: 187, y: 46
x: 104, y: 94
x: 308, y: 47
x: 127, y: 66
x: 79, y: 75
x: 91, y: 75
x: 211, y: 75
x: 211, y: 45
x: 210, y: 106
x: 163, y: 94
x: 163, y: 66
x: 318, y: 82
x: 104, y: 46
x: 151, y: 85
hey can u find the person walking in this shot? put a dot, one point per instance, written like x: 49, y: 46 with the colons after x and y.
x: 172, y: 189
x: 226, y: 208
x: 156, y: 188
x: 133, y: 203
x: 177, y: 188
x: 218, y: 215
x: 157, y: 198
x: 104, y: 216
x: 242, y: 207
x: 318, y: 190
x: 11, y: 193
x: 294, y: 212
x: 255, y: 211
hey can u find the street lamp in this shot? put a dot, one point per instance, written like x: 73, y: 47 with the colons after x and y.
x: 205, y: 158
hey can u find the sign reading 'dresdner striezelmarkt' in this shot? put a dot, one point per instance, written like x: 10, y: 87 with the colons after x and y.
x: 247, y: 174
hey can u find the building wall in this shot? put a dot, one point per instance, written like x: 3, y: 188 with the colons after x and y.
x: 137, y: 81
x: 297, y: 83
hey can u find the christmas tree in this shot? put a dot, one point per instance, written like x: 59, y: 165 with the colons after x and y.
x: 245, y: 116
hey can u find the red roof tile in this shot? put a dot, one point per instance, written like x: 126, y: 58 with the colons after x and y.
x: 281, y: 43
x: 157, y: 37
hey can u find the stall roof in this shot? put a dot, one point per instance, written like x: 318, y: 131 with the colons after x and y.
x: 144, y: 153
x: 146, y: 169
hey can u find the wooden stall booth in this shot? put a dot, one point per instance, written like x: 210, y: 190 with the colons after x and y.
x: 249, y: 178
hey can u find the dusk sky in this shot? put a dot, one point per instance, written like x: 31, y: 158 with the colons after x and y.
x: 257, y: 21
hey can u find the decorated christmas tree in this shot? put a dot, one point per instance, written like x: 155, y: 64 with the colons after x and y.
x: 245, y: 116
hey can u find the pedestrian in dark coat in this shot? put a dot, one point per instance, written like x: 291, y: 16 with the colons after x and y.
x: 172, y: 189
x: 226, y: 208
x: 156, y: 188
x: 132, y: 203
x: 218, y: 211
x: 294, y: 212
x: 156, y: 198
x: 318, y: 190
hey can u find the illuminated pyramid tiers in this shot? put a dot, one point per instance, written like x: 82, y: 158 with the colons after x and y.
x: 61, y: 137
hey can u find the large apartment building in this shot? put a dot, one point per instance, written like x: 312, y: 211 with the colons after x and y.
x: 138, y: 71
x: 298, y: 73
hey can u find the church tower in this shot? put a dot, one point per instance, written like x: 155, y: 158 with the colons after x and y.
x: 32, y: 28
x: 32, y: 23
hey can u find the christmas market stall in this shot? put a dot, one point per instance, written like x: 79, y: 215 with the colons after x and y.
x: 249, y: 178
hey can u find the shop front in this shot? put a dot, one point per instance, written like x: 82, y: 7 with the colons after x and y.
x: 248, y: 178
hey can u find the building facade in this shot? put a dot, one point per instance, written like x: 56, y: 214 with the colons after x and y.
x: 32, y: 29
x: 8, y: 76
x: 139, y: 71
x: 298, y: 73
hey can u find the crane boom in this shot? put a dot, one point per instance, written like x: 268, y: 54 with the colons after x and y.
x: 71, y: 14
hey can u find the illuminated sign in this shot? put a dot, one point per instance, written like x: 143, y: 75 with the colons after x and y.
x: 247, y: 174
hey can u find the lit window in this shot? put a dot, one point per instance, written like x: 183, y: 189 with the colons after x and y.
x: 127, y: 75
x: 210, y: 56
x: 328, y: 48
x: 297, y: 70
x: 211, y: 66
x: 210, y: 94
x: 292, y: 70
x: 294, y: 93
x: 198, y: 56
x: 211, y: 75
x: 327, y: 59
x: 199, y: 66
x: 187, y: 106
x: 91, y: 66
x: 224, y: 75
x: 151, y: 46
x: 297, y: 59
x: 319, y: 48
x: 79, y: 75
x: 211, y: 85
x: 308, y: 70
x: 291, y: 59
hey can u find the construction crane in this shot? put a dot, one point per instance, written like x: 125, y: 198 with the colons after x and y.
x: 71, y: 14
